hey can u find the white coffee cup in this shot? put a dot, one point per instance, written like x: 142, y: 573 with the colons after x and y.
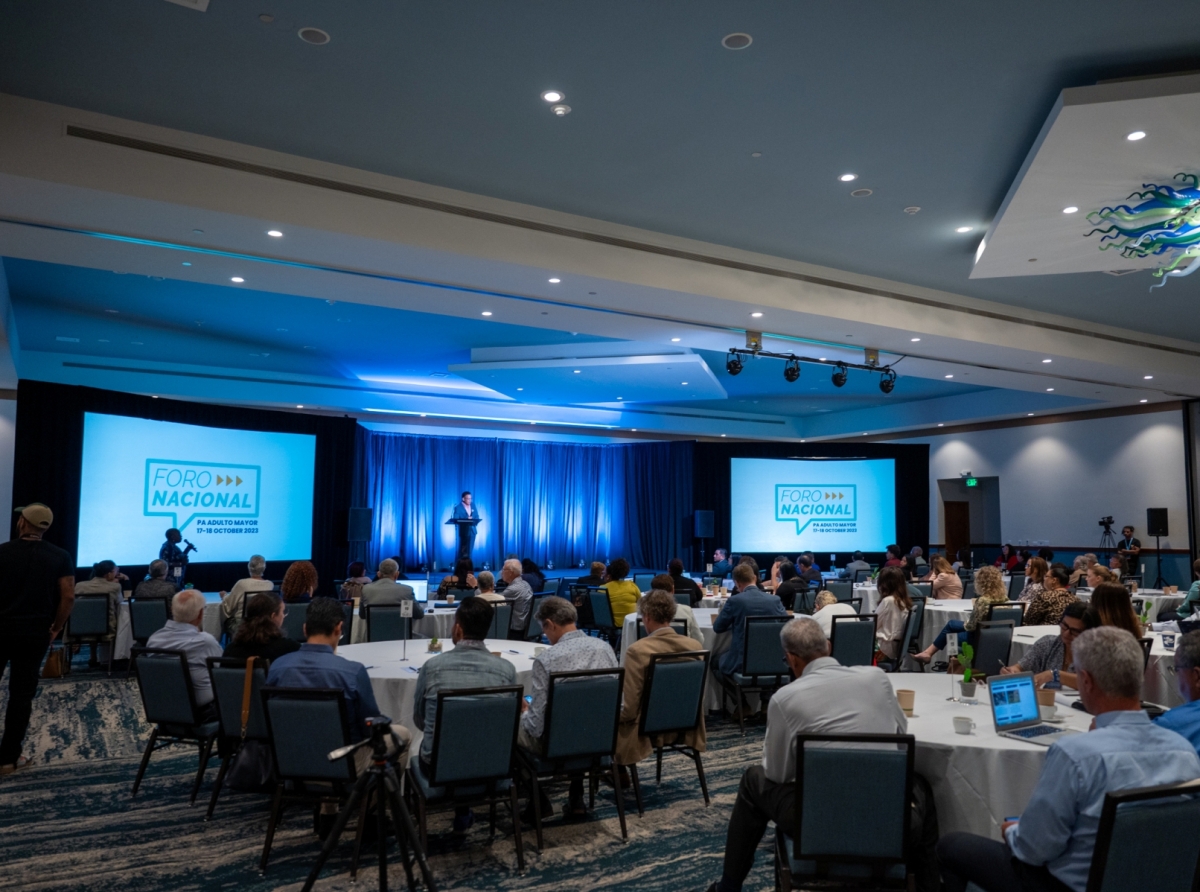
x: 1047, y: 713
x: 963, y: 724
x: 538, y: 651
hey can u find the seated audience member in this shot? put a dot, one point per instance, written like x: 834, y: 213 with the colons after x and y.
x: 683, y: 583
x: 1190, y: 608
x: 892, y: 612
x: 1111, y: 605
x: 356, y: 578
x: 807, y: 571
x: 944, y: 582
x: 989, y: 589
x: 960, y: 559
x: 469, y: 665
x: 532, y: 574
x: 1051, y: 659
x: 1185, y: 719
x: 657, y: 609
x: 261, y: 635
x: 916, y: 560
x: 461, y: 578
x: 825, y: 698
x: 1097, y: 574
x: 299, y: 582
x: 622, y: 593
x: 570, y: 651
x: 517, y: 590
x: 487, y: 587
x: 232, y: 604
x: 664, y: 583
x: 399, y: 561
x: 105, y: 580
x: 595, y: 575
x: 156, y: 585
x: 1046, y: 554
x: 892, y: 558
x: 721, y: 564
x: 773, y: 578
x: 748, y: 600
x: 1050, y: 846
x: 1008, y: 560
x: 185, y: 632
x: 1035, y: 576
x: 827, y: 607
x: 852, y: 568
x: 1046, y: 608
x: 1078, y: 571
x: 386, y: 591
x: 752, y: 564
x: 1118, y: 567
x: 792, y: 590
x: 812, y: 558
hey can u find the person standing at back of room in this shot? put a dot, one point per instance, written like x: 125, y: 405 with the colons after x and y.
x: 35, y: 602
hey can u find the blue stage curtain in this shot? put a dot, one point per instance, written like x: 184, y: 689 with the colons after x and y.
x: 560, y: 502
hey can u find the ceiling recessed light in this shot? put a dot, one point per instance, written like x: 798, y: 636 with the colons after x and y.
x: 486, y: 313
x: 964, y: 229
x: 315, y: 36
x: 274, y: 233
x: 941, y: 425
x: 756, y: 154
x: 683, y: 383
x: 554, y: 281
x: 1147, y: 377
x: 561, y: 110
x: 634, y: 430
x: 912, y: 210
x: 1071, y: 210
x: 914, y: 340
x: 1049, y: 390
x: 949, y: 376
x: 722, y: 435
x: 1136, y: 135
x: 266, y: 18
x: 553, y: 96
x: 520, y: 388
x: 153, y: 397
x: 848, y: 177
x: 198, y: 231
x: 237, y: 279
x: 1029, y: 414
x: 1143, y: 401
x: 736, y: 41
x: 577, y: 371
x: 860, y: 193
x: 185, y: 263
x: 756, y: 315
x: 114, y: 312
x: 1047, y: 360
x: 299, y: 406
x: 620, y: 398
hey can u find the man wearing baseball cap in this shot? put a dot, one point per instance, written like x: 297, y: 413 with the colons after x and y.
x: 37, y: 591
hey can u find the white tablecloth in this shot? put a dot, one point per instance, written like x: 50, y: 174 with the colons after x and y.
x: 437, y: 622
x: 394, y: 678
x: 978, y: 779
x: 1159, y: 685
x: 124, y: 642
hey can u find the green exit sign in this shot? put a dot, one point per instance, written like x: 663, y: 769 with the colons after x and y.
x: 971, y: 481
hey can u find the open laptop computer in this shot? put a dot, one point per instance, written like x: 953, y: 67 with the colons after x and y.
x: 1015, y: 710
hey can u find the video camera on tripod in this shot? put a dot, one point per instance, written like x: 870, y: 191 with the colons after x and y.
x: 1107, y: 523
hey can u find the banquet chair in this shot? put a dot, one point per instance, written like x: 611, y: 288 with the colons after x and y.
x: 1147, y: 644
x: 583, y: 712
x: 601, y: 614
x: 1016, y: 582
x: 474, y: 757
x: 228, y: 681
x: 88, y: 624
x: 993, y: 641
x: 763, y: 665
x: 856, y: 603
x: 805, y: 601
x: 680, y: 627
x: 852, y: 813
x: 347, y: 623
x: 852, y: 640
x: 384, y: 622
x: 909, y: 641
x: 862, y: 575
x: 501, y: 618
x: 1126, y: 580
x: 969, y: 592
x: 1014, y: 612
x: 169, y: 701
x: 672, y: 705
x: 682, y: 598
x: 925, y: 589
x: 304, y: 725
x: 643, y: 581
x: 147, y: 616
x: 295, y: 614
x: 841, y: 590
x: 1139, y: 844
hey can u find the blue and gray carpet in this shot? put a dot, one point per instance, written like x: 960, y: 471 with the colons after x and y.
x: 68, y: 822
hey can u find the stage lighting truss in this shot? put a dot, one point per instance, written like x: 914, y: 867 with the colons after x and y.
x: 734, y: 363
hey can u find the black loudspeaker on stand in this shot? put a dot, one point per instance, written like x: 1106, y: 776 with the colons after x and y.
x: 1156, y: 526
x: 703, y: 530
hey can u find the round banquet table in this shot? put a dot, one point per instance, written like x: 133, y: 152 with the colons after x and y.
x: 978, y: 779
x: 1152, y: 598
x: 394, y: 678
x: 938, y: 613
x: 124, y: 642
x: 437, y: 622
x: 1159, y: 684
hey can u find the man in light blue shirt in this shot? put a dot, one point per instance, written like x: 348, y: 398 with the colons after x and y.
x: 185, y: 632
x: 1050, y: 847
x: 1185, y: 719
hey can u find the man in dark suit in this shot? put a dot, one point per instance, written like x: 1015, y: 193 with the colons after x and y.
x: 750, y: 600
x: 721, y: 564
x: 466, y: 510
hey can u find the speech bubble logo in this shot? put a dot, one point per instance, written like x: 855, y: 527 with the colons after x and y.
x: 802, y: 503
x: 205, y: 489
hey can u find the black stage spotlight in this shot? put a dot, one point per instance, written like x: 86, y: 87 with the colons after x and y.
x: 733, y: 364
x: 791, y: 371
x: 839, y: 376
x: 888, y: 381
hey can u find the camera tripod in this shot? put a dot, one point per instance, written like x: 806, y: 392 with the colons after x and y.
x: 1108, y: 541
x: 380, y: 779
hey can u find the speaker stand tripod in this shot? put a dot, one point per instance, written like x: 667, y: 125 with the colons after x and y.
x: 1158, y: 582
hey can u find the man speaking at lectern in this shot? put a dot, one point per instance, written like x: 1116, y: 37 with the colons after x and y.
x: 465, y: 510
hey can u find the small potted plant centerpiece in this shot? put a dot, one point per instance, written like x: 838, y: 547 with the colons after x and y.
x: 966, y: 654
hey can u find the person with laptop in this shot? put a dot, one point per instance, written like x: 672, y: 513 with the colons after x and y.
x: 1049, y: 848
x: 1050, y: 659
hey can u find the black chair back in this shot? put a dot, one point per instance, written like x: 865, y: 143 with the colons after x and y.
x: 1147, y: 644
x: 852, y: 640
x: 502, y: 618
x: 347, y: 623
x: 841, y: 590
x: 228, y: 681
x: 682, y: 598
x: 1013, y: 612
x: 583, y: 711
x: 679, y: 625
x: 147, y: 616
x: 165, y: 683
x: 762, y: 655
x: 862, y: 575
x: 1142, y: 844
x: 89, y: 617
x: 1016, y: 583
x: 474, y: 735
x: 295, y: 614
x: 673, y: 693
x: 305, y: 725
x: 602, y: 614
x: 384, y: 622
x: 992, y: 646
x: 856, y: 603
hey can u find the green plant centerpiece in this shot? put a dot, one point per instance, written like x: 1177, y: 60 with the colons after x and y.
x: 966, y: 655
x: 435, y: 646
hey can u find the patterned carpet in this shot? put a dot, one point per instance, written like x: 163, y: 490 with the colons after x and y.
x: 69, y: 822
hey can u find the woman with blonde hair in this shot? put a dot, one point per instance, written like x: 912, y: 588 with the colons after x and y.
x: 944, y: 582
x: 1097, y: 574
x: 989, y: 590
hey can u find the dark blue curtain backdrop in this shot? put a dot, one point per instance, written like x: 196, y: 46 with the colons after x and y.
x: 560, y: 502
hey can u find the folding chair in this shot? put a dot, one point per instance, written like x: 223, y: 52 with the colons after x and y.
x: 88, y: 624
x: 1139, y: 844
x: 763, y: 665
x: 852, y: 640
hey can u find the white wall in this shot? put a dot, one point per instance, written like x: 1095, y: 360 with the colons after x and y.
x: 1058, y: 480
x: 8, y: 436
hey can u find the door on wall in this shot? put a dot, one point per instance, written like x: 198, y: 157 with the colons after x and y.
x: 958, y: 528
